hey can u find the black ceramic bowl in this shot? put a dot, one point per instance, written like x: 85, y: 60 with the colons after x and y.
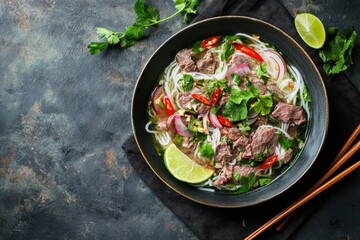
x: 225, y: 26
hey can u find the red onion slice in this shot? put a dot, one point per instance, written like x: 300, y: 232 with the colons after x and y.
x: 154, y: 96
x: 214, y: 120
x: 180, y: 127
x: 277, y: 61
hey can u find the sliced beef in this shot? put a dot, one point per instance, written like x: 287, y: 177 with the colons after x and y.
x: 260, y: 84
x: 206, y: 64
x: 264, y: 138
x: 287, y: 156
x: 241, y: 142
x: 260, y: 120
x: 293, y: 131
x: 225, y: 175
x: 247, y: 152
x: 274, y: 89
x: 289, y: 113
x: 184, y: 99
x: 244, y: 170
x: 224, y: 99
x: 236, y: 59
x: 185, y: 61
x: 202, y: 109
x: 234, y: 133
x: 223, y: 152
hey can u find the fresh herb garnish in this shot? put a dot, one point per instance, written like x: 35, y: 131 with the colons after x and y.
x: 236, y: 108
x: 247, y: 182
x: 187, y: 82
x: 265, y: 180
x: 286, y: 143
x: 263, y: 105
x: 146, y: 16
x: 206, y: 150
x: 228, y: 47
x: 336, y: 53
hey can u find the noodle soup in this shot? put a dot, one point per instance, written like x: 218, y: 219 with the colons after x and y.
x: 231, y: 103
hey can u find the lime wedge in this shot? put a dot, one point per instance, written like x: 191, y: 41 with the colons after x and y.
x: 183, y: 168
x: 310, y: 29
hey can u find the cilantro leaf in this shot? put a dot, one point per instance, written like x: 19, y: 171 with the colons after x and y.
x: 247, y: 182
x: 132, y: 35
x: 235, y: 112
x: 265, y: 180
x: 97, y: 47
x: 196, y: 48
x: 238, y: 95
x: 187, y: 82
x: 186, y: 6
x: 263, y: 105
x: 286, y: 143
x: 145, y: 14
x: 336, y: 53
x: 206, y: 150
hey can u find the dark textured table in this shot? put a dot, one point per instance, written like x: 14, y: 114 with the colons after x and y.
x: 64, y: 116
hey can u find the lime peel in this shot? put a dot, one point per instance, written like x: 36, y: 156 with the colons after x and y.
x: 183, y: 168
x: 311, y: 29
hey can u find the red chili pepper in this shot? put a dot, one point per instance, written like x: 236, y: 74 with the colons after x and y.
x: 269, y: 162
x: 248, y: 51
x: 224, y: 121
x: 202, y: 99
x: 168, y: 106
x: 215, y: 96
x: 208, y: 42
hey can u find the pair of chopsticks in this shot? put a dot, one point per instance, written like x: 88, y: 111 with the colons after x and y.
x: 319, y: 186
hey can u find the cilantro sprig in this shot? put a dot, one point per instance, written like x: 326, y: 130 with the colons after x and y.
x: 336, y: 53
x: 146, y: 16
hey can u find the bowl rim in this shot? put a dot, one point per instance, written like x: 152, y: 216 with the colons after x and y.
x: 289, y: 38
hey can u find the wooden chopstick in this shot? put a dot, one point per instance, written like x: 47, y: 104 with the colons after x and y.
x: 333, y: 167
x: 303, y: 200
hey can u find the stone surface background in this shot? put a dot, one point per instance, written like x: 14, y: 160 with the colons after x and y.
x: 65, y: 114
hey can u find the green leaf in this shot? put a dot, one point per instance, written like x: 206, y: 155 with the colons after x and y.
x: 206, y: 150
x: 187, y: 82
x: 236, y: 78
x: 247, y: 182
x: 146, y: 15
x: 97, y: 47
x: 337, y: 51
x: 112, y: 37
x: 235, y: 112
x: 236, y: 175
x: 211, y: 85
x: 187, y: 7
x: 132, y: 35
x: 263, y: 105
x: 238, y: 95
x: 265, y: 180
x: 196, y: 48
x: 104, y: 32
x: 178, y: 140
x: 286, y: 143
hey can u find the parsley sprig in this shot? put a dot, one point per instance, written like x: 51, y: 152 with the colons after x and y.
x: 146, y: 16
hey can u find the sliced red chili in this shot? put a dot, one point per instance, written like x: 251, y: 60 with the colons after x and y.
x: 216, y: 96
x: 208, y: 42
x: 248, y: 51
x: 224, y: 121
x: 168, y: 106
x: 269, y: 162
x: 201, y: 98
